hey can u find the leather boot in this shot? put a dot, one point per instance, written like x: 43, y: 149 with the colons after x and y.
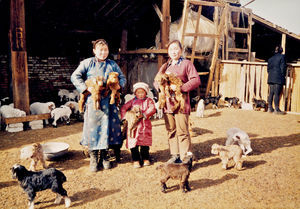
x: 104, y: 162
x: 94, y: 160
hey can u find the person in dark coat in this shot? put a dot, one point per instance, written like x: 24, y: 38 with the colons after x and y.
x: 276, y: 79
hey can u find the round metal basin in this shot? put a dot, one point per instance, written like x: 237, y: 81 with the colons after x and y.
x: 54, y: 150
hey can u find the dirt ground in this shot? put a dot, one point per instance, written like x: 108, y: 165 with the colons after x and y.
x: 270, y: 178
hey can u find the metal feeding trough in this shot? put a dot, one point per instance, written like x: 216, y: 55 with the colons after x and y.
x: 54, y: 150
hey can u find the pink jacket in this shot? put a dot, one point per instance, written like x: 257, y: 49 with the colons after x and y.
x: 187, y: 72
x: 143, y: 134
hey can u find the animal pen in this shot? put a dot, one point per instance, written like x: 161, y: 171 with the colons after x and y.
x: 232, y: 38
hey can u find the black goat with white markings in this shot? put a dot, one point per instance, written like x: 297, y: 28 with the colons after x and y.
x: 32, y: 182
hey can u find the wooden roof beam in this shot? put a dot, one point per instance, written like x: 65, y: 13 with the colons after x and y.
x: 274, y: 27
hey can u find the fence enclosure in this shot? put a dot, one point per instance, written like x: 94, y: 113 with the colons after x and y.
x: 247, y: 80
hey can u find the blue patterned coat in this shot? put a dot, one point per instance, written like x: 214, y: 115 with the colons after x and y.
x: 101, y: 127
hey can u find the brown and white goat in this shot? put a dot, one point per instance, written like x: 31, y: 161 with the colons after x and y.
x: 112, y: 84
x: 35, y: 153
x: 94, y: 86
x: 180, y: 171
x: 164, y: 82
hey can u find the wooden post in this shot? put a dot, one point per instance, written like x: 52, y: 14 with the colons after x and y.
x: 196, y: 32
x: 122, y: 61
x: 215, y: 51
x: 184, y: 20
x: 217, y: 77
x: 249, y: 35
x: 124, y: 40
x: 19, y: 56
x: 226, y: 28
x: 164, y: 29
x: 283, y: 42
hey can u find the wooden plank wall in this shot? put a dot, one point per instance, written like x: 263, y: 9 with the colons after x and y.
x: 295, y: 95
x: 248, y: 80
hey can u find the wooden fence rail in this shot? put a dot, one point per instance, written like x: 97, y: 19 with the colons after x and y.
x: 247, y: 80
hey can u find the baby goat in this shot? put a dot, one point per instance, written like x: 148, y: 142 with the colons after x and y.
x: 233, y: 102
x: 113, y: 85
x: 94, y: 85
x: 227, y: 153
x: 259, y: 104
x: 132, y: 117
x: 200, y: 109
x: 164, y: 82
x: 240, y: 137
x: 213, y: 100
x: 179, y: 171
x: 35, y: 153
x: 33, y: 182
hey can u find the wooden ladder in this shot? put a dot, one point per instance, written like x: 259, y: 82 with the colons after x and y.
x: 233, y: 27
x: 217, y: 36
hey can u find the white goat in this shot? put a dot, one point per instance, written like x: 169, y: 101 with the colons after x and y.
x: 77, y: 95
x: 236, y: 135
x: 71, y: 96
x: 41, y: 108
x: 200, y: 109
x: 7, y: 111
x: 63, y: 94
x: 63, y: 112
x: 246, y: 106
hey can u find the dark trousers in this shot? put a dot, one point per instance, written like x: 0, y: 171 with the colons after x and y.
x: 117, y: 151
x: 142, y: 154
x: 275, y: 91
x: 103, y: 154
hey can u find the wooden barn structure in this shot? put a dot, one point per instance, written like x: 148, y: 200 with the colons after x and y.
x: 44, y: 28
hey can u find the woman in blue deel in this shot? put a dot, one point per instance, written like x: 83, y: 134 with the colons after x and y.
x: 101, y: 128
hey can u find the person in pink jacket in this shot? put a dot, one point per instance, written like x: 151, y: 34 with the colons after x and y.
x: 176, y: 121
x: 140, y: 143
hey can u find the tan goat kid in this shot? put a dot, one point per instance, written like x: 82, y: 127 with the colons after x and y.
x: 95, y: 86
x: 164, y: 82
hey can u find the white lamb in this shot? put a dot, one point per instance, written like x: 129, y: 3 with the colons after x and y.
x: 77, y: 95
x: 200, y: 109
x: 71, y: 96
x: 246, y: 106
x: 41, y: 108
x: 63, y: 94
x: 63, y: 112
x: 236, y: 135
x: 7, y: 111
